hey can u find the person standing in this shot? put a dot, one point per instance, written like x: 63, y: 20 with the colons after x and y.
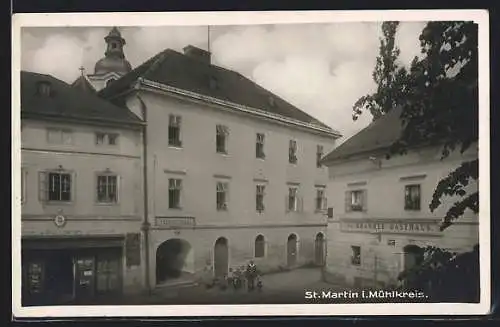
x: 251, y: 273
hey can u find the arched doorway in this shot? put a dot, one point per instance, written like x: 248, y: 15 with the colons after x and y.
x: 319, y: 249
x: 413, y: 256
x: 171, y: 257
x: 221, y: 257
x: 291, y: 250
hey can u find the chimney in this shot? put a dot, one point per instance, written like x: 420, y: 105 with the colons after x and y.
x: 197, y: 53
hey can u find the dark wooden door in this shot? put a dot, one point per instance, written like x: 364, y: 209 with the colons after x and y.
x: 319, y: 251
x: 221, y: 257
x: 84, y: 277
x: 292, y: 250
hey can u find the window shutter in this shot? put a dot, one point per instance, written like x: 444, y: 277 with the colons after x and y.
x: 348, y: 201
x: 325, y: 205
x: 365, y: 200
x: 300, y: 204
x: 72, y: 186
x: 43, y: 186
x: 287, y: 204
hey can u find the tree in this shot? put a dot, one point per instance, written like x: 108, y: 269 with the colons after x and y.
x: 388, y: 75
x: 440, y: 107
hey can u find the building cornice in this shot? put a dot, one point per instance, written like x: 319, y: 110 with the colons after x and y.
x: 150, y: 85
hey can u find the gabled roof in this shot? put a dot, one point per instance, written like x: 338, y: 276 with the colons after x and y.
x: 83, y: 84
x: 178, y: 70
x: 380, y: 134
x: 67, y: 102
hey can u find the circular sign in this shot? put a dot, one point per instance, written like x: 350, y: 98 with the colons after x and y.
x: 60, y: 221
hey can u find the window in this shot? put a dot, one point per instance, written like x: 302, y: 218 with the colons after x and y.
x: 320, y: 199
x: 59, y: 136
x: 55, y: 186
x: 319, y: 155
x: 174, y: 193
x: 412, y: 197
x: 174, y: 131
x: 260, y: 246
x: 107, y: 188
x: 259, y: 146
x: 356, y: 200
x: 221, y: 139
x: 259, y: 197
x: 44, y: 88
x: 221, y: 197
x: 292, y: 199
x: 292, y: 152
x: 356, y: 255
x: 106, y: 138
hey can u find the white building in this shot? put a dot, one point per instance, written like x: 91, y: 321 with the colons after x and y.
x: 380, y: 208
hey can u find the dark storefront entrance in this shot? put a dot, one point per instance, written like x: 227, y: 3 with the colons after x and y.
x: 57, y: 271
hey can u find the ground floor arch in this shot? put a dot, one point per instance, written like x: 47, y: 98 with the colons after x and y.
x: 291, y: 249
x: 319, y: 249
x: 173, y: 257
x: 221, y: 257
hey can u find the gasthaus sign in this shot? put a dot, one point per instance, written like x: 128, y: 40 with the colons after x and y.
x: 393, y: 226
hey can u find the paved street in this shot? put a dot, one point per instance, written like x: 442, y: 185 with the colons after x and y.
x: 283, y: 288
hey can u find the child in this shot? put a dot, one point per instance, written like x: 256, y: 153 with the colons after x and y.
x: 259, y: 283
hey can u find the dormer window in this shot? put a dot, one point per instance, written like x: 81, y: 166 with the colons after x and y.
x: 213, y: 83
x: 109, y: 81
x: 44, y: 88
x: 272, y: 102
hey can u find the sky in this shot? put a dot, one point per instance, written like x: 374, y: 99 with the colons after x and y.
x: 320, y: 68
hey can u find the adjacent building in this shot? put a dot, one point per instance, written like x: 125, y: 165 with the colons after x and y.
x: 380, y: 216
x: 82, y: 196
x: 233, y: 171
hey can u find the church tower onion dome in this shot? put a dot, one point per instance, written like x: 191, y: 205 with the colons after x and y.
x: 114, y: 58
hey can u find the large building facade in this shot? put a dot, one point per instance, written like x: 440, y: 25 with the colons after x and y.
x: 380, y: 218
x: 82, y: 205
x: 233, y: 171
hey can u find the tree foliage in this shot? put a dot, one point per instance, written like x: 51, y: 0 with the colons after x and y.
x: 440, y: 107
x: 440, y: 273
x: 388, y: 75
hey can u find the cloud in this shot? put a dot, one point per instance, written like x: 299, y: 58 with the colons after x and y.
x: 321, y: 68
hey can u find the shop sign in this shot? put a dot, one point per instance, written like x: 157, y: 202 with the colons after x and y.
x: 133, y: 249
x: 390, y: 226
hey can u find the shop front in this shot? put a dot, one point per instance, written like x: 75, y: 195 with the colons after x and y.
x: 71, y: 270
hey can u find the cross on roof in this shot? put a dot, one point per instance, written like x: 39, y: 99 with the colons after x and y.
x: 82, y: 69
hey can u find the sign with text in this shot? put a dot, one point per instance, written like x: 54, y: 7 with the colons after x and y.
x: 390, y: 226
x: 133, y: 249
x: 173, y: 222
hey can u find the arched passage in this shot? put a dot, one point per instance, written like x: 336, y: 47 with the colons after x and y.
x: 221, y: 257
x: 413, y: 256
x: 171, y: 258
x: 291, y: 250
x: 319, y: 249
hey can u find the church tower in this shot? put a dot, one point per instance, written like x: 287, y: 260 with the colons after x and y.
x: 113, y: 65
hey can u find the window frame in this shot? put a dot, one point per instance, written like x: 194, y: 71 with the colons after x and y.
x: 117, y: 188
x: 259, y: 146
x: 295, y: 197
x: 224, y: 189
x: 260, y: 194
x: 106, y: 138
x: 361, y: 206
x: 221, y: 131
x: 46, y: 191
x: 319, y: 155
x: 322, y: 201
x: 292, y: 152
x: 61, y: 137
x: 174, y: 121
x: 409, y: 204
x: 24, y: 176
x: 178, y: 188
